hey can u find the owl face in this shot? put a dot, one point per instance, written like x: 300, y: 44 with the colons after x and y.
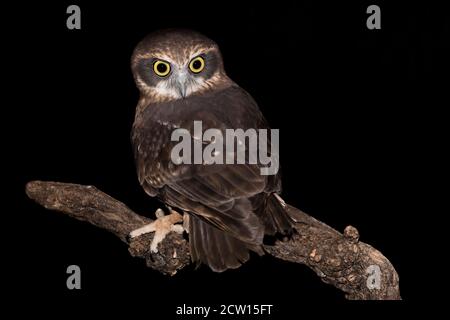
x: 175, y: 64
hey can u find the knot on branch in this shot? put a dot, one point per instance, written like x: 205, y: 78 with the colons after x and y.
x: 351, y: 234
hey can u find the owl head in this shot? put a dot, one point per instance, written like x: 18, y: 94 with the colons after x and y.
x: 175, y: 64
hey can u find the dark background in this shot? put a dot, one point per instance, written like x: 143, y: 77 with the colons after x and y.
x: 352, y: 106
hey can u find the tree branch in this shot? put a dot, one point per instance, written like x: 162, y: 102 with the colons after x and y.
x: 338, y: 259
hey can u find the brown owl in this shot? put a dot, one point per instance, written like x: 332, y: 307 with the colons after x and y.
x: 230, y: 207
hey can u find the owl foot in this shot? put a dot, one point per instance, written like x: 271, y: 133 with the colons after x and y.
x: 161, y: 227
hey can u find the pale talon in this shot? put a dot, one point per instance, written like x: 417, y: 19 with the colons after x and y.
x: 178, y: 228
x: 186, y: 222
x: 159, y: 213
x: 161, y: 226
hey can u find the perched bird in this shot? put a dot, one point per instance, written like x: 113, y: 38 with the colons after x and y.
x: 230, y: 207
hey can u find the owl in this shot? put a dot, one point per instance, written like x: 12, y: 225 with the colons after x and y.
x: 228, y: 209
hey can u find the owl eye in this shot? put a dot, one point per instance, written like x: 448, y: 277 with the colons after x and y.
x: 161, y: 68
x: 197, y: 64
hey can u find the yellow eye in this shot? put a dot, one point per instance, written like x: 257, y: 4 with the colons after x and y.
x: 161, y: 68
x: 197, y: 64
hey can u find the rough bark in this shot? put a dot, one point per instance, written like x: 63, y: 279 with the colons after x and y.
x: 338, y: 259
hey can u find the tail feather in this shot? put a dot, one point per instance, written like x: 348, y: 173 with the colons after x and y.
x: 215, y: 248
x: 221, y: 250
x: 271, y: 210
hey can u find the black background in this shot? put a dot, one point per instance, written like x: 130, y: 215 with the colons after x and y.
x: 351, y: 104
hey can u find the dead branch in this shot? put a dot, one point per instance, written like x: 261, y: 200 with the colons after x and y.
x: 338, y: 259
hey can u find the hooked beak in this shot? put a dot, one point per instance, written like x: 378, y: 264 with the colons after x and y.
x: 182, y: 84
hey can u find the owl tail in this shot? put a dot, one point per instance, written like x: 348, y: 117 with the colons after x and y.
x: 221, y: 251
x: 271, y: 209
x: 215, y: 248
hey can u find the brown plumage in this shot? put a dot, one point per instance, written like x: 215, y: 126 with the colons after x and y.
x: 231, y: 206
